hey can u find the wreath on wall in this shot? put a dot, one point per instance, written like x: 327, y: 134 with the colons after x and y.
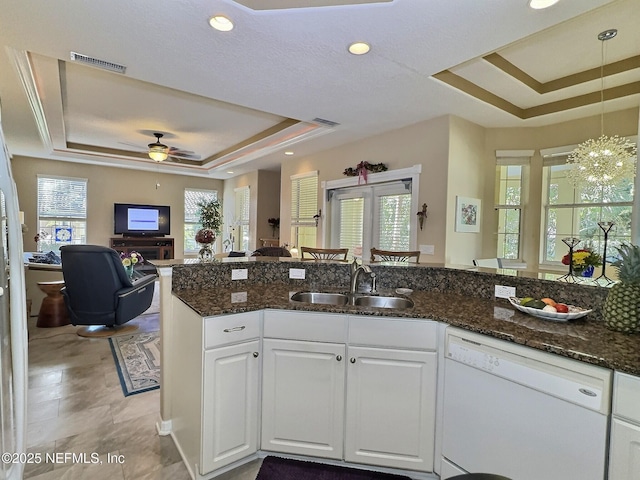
x: 364, y: 168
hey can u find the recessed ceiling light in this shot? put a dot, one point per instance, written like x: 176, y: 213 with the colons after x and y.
x: 220, y: 22
x: 540, y: 4
x: 229, y: 172
x: 359, y: 48
x: 288, y: 152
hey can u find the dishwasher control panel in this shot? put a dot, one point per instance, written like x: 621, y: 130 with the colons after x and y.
x: 577, y: 385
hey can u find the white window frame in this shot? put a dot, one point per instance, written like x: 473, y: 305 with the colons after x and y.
x: 515, y: 158
x: 554, y: 157
x: 242, y: 224
x: 187, y: 219
x: 61, y: 219
x: 296, y: 220
x: 412, y: 173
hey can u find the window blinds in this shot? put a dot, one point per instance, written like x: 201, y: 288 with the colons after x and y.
x: 192, y: 198
x: 351, y: 223
x: 304, y: 199
x: 394, y: 220
x: 64, y: 198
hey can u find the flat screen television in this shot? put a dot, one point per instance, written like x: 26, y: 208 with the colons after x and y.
x: 133, y: 220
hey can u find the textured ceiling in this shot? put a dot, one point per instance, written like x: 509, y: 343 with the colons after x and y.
x: 238, y: 99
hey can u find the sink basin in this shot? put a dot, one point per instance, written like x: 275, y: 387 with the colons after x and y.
x: 383, y: 302
x: 321, y: 298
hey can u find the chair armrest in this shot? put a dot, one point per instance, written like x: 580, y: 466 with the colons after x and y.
x: 136, y: 285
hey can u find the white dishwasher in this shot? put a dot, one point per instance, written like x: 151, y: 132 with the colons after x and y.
x: 522, y: 413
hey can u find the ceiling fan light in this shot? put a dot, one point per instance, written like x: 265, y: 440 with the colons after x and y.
x: 158, y: 153
x: 540, y: 4
x: 221, y: 23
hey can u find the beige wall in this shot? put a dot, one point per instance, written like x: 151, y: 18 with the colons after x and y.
x: 106, y: 186
x: 467, y: 177
x: 264, y: 198
x: 425, y: 143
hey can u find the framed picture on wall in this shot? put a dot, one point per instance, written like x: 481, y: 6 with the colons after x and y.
x: 467, y: 214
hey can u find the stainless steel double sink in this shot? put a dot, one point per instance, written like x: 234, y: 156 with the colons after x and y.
x: 361, y: 300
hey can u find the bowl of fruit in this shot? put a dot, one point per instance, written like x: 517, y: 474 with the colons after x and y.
x: 548, y: 308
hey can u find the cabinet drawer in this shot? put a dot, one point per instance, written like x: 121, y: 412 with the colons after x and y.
x: 311, y: 326
x: 393, y: 332
x: 227, y: 329
x: 626, y: 396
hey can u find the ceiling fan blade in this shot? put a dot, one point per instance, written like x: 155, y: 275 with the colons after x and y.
x: 184, y: 155
x: 137, y: 147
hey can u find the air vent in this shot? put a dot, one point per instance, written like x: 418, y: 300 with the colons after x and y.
x: 327, y: 123
x: 96, y: 62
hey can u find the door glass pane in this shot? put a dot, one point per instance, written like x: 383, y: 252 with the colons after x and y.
x: 394, y: 221
x: 351, y: 223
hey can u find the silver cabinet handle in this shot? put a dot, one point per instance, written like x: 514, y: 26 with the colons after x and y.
x: 234, y: 329
x: 352, y: 360
x: 255, y: 354
x: 339, y: 358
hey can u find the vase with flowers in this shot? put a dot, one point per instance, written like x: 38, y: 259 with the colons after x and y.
x: 210, y: 217
x: 130, y: 260
x: 584, y: 261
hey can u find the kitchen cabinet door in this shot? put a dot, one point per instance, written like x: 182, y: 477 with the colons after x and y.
x: 624, y: 453
x: 390, y: 417
x: 303, y: 398
x: 230, y: 404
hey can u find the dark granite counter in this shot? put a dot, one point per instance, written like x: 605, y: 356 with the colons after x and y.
x: 584, y: 339
x: 460, y: 297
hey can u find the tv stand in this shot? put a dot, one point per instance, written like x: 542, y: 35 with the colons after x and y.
x: 151, y: 248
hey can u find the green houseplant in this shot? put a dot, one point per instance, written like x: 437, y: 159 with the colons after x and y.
x: 210, y: 217
x: 621, y: 308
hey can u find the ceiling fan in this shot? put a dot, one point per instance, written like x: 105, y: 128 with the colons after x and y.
x: 159, y: 152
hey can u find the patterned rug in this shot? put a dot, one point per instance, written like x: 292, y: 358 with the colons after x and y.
x: 276, y: 468
x: 137, y: 359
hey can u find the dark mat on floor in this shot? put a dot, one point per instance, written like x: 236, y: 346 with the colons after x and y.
x: 276, y: 468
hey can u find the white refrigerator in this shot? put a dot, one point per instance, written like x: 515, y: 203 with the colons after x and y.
x: 13, y: 328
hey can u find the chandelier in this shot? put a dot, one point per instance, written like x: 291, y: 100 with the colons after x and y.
x: 606, y: 160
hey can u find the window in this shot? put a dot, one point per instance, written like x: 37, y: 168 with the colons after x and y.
x: 191, y: 221
x: 388, y: 205
x: 242, y: 217
x: 575, y: 212
x: 304, y: 206
x: 508, y: 205
x: 62, y: 212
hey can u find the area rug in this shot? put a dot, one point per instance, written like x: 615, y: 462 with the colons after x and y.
x: 137, y: 359
x: 276, y: 468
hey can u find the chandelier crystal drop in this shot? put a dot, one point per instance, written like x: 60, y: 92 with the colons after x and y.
x: 607, y: 160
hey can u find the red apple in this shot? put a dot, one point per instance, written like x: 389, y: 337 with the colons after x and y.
x: 562, y: 308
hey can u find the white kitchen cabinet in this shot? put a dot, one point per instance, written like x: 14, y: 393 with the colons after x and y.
x: 303, y: 397
x: 624, y: 447
x: 230, y: 404
x: 390, y: 415
x: 215, y: 378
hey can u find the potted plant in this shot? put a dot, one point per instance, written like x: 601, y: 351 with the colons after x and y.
x: 210, y: 217
x: 274, y: 223
x: 621, y: 309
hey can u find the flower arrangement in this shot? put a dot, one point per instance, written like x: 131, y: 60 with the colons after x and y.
x: 130, y: 259
x: 583, y: 259
x: 363, y: 168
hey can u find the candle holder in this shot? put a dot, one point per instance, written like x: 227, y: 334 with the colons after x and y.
x: 570, y: 242
x: 603, y: 279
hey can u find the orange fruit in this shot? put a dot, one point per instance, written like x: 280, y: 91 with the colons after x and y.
x: 549, y: 301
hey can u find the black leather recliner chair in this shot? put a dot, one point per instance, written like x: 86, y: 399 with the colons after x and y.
x: 97, y: 289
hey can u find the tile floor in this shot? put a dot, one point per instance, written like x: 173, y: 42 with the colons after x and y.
x: 76, y: 405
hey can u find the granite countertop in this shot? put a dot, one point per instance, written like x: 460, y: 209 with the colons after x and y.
x: 584, y: 339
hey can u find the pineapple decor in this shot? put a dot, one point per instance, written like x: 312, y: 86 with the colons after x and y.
x: 621, y: 308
